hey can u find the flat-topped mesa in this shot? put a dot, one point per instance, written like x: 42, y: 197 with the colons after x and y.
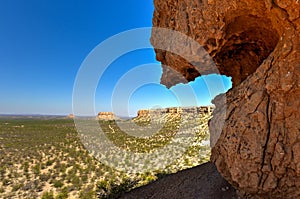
x: 199, y: 110
x: 174, y: 110
x: 106, y: 116
x: 147, y: 113
x: 70, y: 116
x: 143, y: 113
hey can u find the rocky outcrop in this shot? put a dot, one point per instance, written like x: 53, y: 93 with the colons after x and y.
x: 106, y: 116
x: 257, y: 43
x: 157, y: 113
x: 143, y: 113
x: 70, y: 116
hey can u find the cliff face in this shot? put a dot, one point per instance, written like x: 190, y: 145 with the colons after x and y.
x: 174, y: 110
x: 257, y: 43
x: 106, y: 116
x: 158, y: 114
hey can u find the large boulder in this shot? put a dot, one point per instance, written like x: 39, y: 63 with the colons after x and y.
x: 257, y: 43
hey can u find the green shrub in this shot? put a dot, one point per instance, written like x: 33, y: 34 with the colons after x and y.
x: 110, y: 189
x: 76, y: 182
x: 5, y: 182
x: 48, y: 195
x: 2, y: 170
x: 57, y: 184
x: 36, y: 169
x: 49, y: 163
x: 26, y: 166
x: 16, y: 187
x: 62, y: 195
x: 44, y: 177
x: 87, y: 193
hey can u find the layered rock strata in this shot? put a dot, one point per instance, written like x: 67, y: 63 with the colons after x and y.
x: 106, y: 116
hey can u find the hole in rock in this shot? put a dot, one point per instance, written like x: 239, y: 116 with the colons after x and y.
x: 249, y: 40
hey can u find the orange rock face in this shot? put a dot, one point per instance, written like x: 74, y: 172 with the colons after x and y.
x: 70, y: 116
x: 106, y: 116
x: 257, y: 43
x: 143, y: 113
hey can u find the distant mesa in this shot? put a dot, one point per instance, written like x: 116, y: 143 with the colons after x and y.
x: 143, y: 113
x: 147, y: 114
x: 70, y: 116
x: 174, y: 110
x: 199, y: 109
x: 150, y: 113
x: 106, y: 116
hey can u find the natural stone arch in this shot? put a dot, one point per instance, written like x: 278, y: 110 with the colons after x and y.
x: 248, y: 41
x: 257, y: 43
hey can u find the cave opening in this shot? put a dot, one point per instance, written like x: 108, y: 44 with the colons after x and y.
x: 248, y: 41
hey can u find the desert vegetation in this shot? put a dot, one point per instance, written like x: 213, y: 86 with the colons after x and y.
x: 45, y: 158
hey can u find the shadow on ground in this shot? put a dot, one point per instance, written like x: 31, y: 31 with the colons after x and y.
x: 202, y: 182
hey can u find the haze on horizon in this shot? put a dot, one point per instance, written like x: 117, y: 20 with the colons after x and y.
x: 43, y: 44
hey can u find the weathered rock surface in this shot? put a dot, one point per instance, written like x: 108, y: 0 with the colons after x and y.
x: 106, y: 116
x: 174, y: 110
x: 257, y: 43
x: 159, y: 114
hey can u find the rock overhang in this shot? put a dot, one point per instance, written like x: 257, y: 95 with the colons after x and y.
x: 257, y: 44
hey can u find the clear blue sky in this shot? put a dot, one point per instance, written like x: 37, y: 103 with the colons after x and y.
x: 44, y: 42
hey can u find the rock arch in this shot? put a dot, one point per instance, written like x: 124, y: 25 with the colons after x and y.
x: 257, y: 43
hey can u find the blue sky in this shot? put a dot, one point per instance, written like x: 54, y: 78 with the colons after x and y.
x: 43, y: 44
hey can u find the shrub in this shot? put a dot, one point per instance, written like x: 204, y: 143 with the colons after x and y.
x: 110, y: 190
x: 63, y: 194
x: 36, y: 169
x: 26, y: 166
x: 5, y: 182
x: 57, y: 184
x: 48, y: 195
x: 2, y: 190
x: 2, y: 170
x: 49, y: 162
x: 87, y: 193
x: 44, y: 177
x: 16, y: 187
x: 76, y: 182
